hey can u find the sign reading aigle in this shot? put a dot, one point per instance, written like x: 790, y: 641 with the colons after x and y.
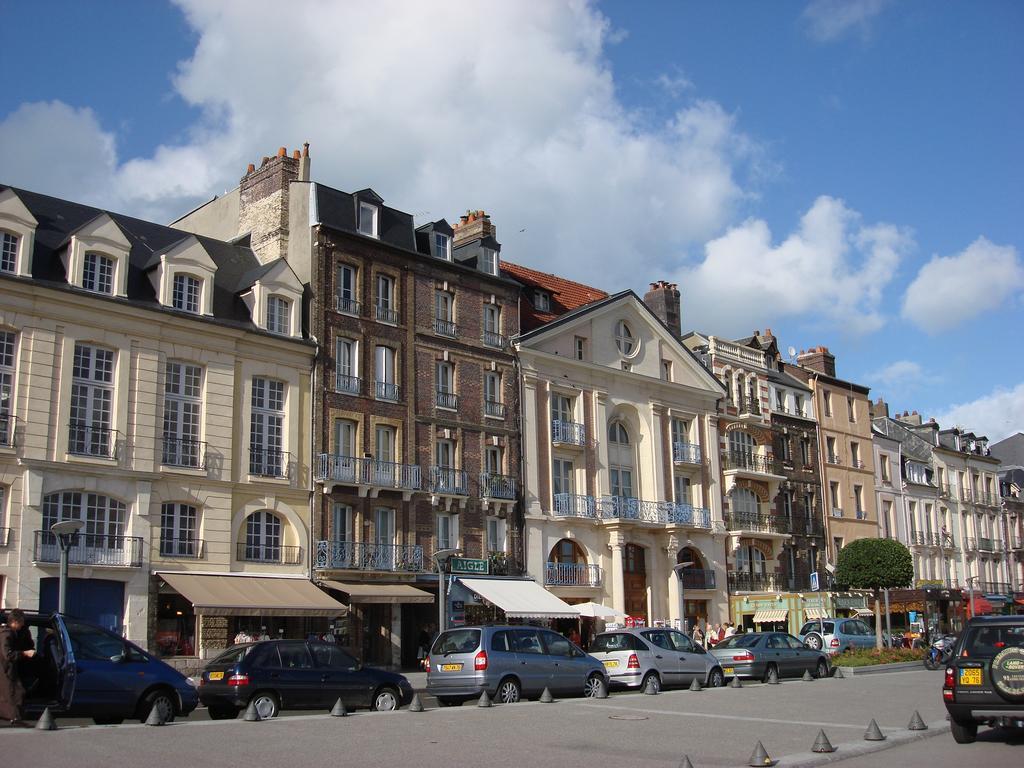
x: 468, y: 565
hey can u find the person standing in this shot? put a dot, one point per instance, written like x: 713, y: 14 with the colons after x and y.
x: 12, y: 695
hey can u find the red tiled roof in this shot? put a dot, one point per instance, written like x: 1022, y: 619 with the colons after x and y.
x: 566, y: 295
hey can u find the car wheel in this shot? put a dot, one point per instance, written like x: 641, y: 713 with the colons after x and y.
x: 108, y: 720
x: 449, y: 701
x: 963, y: 733
x: 162, y: 701
x: 821, y: 670
x: 222, y: 713
x: 716, y: 678
x: 386, y: 700
x: 593, y: 686
x: 651, y: 678
x: 266, y: 705
x: 813, y: 640
x: 508, y: 691
x: 768, y: 672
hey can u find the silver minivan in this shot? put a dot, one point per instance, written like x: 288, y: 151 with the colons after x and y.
x: 635, y: 658
x: 510, y: 663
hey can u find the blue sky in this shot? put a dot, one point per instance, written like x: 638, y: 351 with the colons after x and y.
x: 847, y: 173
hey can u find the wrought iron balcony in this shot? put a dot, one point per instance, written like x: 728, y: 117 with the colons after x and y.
x: 917, y: 538
x: 346, y: 305
x: 90, y: 549
x: 494, y: 486
x: 798, y: 582
x: 988, y: 499
x: 501, y: 564
x: 860, y: 514
x: 568, y: 432
x: 89, y: 440
x: 743, y: 521
x: 574, y: 505
x: 361, y: 556
x: 495, y: 340
x: 356, y: 471
x: 686, y: 453
x: 385, y: 314
x: 837, y: 511
x: 662, y: 512
x: 964, y: 494
x: 267, y: 553
x: 447, y: 400
x: 267, y: 462
x: 741, y: 581
x: 986, y: 544
x: 944, y: 491
x: 7, y: 425
x: 698, y: 578
x: 682, y: 513
x: 185, y: 548
x: 572, y: 575
x: 934, y: 539
x: 384, y: 391
x: 994, y: 587
x: 448, y: 480
x: 750, y: 407
x: 971, y: 543
x: 750, y: 462
x: 494, y: 409
x: 946, y: 541
x: 445, y: 328
x: 190, y: 454
x: 348, y: 385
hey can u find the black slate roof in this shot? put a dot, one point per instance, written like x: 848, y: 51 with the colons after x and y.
x: 337, y: 209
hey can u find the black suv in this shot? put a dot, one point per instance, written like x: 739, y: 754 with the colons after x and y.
x: 985, y: 678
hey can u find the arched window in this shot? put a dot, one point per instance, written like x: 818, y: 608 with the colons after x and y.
x: 741, y: 450
x: 103, y: 516
x: 745, y: 504
x: 750, y: 560
x: 567, y: 551
x: 624, y: 339
x: 690, y: 555
x: 621, y: 461
x: 263, y: 537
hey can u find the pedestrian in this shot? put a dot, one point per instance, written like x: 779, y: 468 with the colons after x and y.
x: 698, y: 636
x: 713, y: 635
x: 730, y: 629
x: 12, y: 695
x: 574, y: 636
x: 721, y: 632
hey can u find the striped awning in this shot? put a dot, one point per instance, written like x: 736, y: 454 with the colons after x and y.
x: 766, y: 615
x: 815, y: 613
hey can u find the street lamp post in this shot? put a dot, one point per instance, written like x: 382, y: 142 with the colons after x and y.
x: 679, y: 568
x: 440, y: 558
x: 65, y: 531
x: 970, y: 591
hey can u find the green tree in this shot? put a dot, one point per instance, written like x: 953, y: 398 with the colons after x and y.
x: 875, y: 564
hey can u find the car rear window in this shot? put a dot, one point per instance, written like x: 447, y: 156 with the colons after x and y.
x: 616, y: 641
x: 457, y: 641
x: 986, y: 642
x: 739, y: 641
x: 233, y: 655
x: 814, y: 626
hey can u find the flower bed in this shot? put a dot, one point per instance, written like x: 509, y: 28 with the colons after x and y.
x: 866, y: 657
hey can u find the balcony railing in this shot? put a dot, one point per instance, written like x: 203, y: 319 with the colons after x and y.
x: 574, y: 505
x: 750, y: 462
x: 501, y: 564
x: 90, y: 549
x: 190, y: 454
x: 494, y: 409
x: 494, y: 486
x: 7, y: 425
x: 964, y: 494
x: 834, y: 458
x: 681, y: 513
x: 266, y: 462
x: 946, y: 541
x: 87, y: 440
x: 445, y: 328
x: 360, y: 556
x: 837, y: 511
x: 744, y: 521
x: 752, y: 582
x: 686, y: 453
x: 348, y: 385
x: 986, y: 544
x: 386, y: 314
x: 448, y: 400
x: 935, y: 539
x: 798, y: 582
x: 495, y: 340
x: 186, y: 548
x: 750, y: 407
x: 357, y: 471
x: 698, y: 578
x: 988, y: 499
x: 568, y: 432
x: 346, y: 305
x: 917, y: 538
x: 448, y: 480
x: 572, y: 575
x: 944, y: 491
x: 994, y: 587
x: 385, y: 391
x: 267, y: 553
x: 860, y: 514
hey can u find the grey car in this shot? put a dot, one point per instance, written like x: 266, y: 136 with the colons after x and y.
x: 662, y: 657
x: 756, y: 654
x: 510, y: 663
x: 839, y: 635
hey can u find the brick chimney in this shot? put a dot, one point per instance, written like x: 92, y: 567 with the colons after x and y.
x: 263, y: 202
x: 473, y: 225
x: 818, y: 359
x: 878, y: 408
x: 663, y: 300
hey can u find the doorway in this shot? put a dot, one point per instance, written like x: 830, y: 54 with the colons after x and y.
x: 635, y: 581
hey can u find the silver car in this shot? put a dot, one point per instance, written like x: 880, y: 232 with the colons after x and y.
x: 756, y: 654
x: 509, y: 663
x: 662, y: 657
x: 839, y: 635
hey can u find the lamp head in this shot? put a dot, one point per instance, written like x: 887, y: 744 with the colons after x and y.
x: 66, y: 527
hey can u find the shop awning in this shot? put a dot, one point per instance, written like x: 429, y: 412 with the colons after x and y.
x: 765, y: 615
x: 521, y: 599
x: 598, y: 611
x: 864, y: 612
x: 215, y: 595
x: 815, y: 613
x: 380, y: 593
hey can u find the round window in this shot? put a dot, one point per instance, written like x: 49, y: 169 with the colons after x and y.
x: 624, y: 339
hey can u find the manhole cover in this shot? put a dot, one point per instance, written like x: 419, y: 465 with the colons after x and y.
x: 627, y: 717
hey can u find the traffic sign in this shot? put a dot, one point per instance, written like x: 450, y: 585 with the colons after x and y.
x: 814, y: 581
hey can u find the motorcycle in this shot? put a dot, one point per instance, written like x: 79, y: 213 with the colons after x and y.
x: 940, y: 652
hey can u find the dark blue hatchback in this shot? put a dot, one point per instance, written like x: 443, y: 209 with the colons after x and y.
x: 82, y: 670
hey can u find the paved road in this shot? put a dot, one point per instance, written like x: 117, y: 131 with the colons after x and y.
x: 714, y: 728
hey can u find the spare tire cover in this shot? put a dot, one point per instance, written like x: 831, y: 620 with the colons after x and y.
x: 1007, y: 673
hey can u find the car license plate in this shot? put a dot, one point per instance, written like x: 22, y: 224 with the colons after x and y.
x: 216, y: 676
x: 612, y: 663
x: 729, y: 670
x: 970, y: 677
x: 451, y: 667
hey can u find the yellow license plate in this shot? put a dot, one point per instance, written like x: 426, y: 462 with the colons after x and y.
x: 216, y: 676
x: 970, y: 677
x: 729, y: 670
x: 611, y: 663
x: 451, y: 667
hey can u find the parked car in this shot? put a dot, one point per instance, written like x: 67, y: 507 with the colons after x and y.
x: 839, y: 635
x: 295, y: 674
x: 509, y: 663
x: 82, y: 670
x: 984, y: 681
x: 635, y: 657
x: 756, y: 654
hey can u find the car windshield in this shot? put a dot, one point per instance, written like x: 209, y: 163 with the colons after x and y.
x: 457, y: 641
x: 739, y: 641
x: 985, y: 642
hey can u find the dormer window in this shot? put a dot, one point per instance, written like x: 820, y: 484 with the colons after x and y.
x: 98, y: 273
x: 541, y: 301
x: 9, y: 253
x: 489, y: 261
x: 368, y: 214
x: 185, y: 293
x: 442, y: 246
x: 278, y: 311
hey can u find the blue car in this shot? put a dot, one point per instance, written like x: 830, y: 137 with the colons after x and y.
x: 82, y: 670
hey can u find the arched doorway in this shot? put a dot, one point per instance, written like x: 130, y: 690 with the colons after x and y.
x: 634, y: 580
x: 567, y: 566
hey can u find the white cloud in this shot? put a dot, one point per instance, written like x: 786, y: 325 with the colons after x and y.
x: 833, y: 266
x: 829, y: 20
x: 996, y: 415
x: 951, y: 289
x: 897, y: 373
x: 440, y: 107
x: 675, y: 85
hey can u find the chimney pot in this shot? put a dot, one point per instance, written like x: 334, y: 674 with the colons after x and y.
x: 654, y: 286
x: 265, y: 161
x: 296, y: 154
x: 305, y: 149
x: 282, y: 152
x: 251, y: 168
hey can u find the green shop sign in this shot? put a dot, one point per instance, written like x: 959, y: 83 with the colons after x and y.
x: 467, y: 565
x: 852, y: 601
